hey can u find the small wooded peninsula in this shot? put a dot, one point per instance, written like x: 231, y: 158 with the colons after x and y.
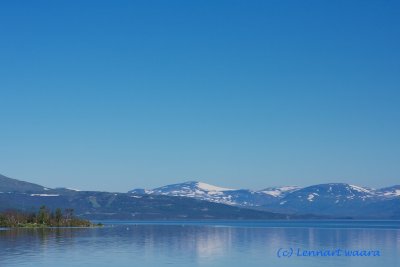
x: 44, y: 217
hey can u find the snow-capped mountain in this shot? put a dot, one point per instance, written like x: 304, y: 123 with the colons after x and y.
x: 203, y: 191
x: 333, y: 199
x: 337, y: 192
x: 197, y: 200
x: 389, y: 192
x: 24, y: 196
x: 192, y: 189
x: 279, y: 191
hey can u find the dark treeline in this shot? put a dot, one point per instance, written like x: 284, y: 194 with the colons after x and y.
x: 42, y: 218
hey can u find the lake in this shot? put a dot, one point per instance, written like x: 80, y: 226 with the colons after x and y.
x: 273, y: 243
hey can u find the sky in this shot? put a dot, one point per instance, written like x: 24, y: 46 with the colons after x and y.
x: 115, y: 95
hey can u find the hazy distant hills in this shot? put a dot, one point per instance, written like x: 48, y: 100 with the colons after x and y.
x: 197, y: 200
x: 25, y: 196
x: 236, y: 197
x: 13, y: 185
x: 333, y: 199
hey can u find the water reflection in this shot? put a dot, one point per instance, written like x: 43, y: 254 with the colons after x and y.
x: 190, y: 245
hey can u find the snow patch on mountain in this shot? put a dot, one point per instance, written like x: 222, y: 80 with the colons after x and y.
x: 45, y: 195
x: 310, y: 199
x: 73, y: 189
x: 395, y: 193
x: 279, y: 191
x: 390, y: 192
x: 208, y: 187
x: 312, y: 196
x: 360, y: 189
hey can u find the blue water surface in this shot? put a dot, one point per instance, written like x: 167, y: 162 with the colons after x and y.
x: 199, y: 243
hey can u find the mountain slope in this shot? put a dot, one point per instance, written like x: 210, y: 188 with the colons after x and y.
x: 333, y: 199
x: 197, y: 200
x: 390, y: 192
x: 12, y: 185
x: 203, y: 191
x: 104, y: 205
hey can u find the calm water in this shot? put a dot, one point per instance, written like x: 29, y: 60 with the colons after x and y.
x: 202, y: 244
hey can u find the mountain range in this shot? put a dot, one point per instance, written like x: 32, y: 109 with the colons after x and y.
x: 28, y: 197
x: 198, y: 200
x: 332, y: 199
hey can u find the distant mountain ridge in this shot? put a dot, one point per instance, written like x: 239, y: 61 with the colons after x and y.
x: 198, y: 200
x: 24, y: 196
x: 13, y: 185
x: 332, y: 199
x: 207, y: 192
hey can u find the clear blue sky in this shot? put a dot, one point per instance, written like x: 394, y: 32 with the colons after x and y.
x: 114, y: 95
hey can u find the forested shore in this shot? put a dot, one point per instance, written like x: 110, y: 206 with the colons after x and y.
x: 43, y: 218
